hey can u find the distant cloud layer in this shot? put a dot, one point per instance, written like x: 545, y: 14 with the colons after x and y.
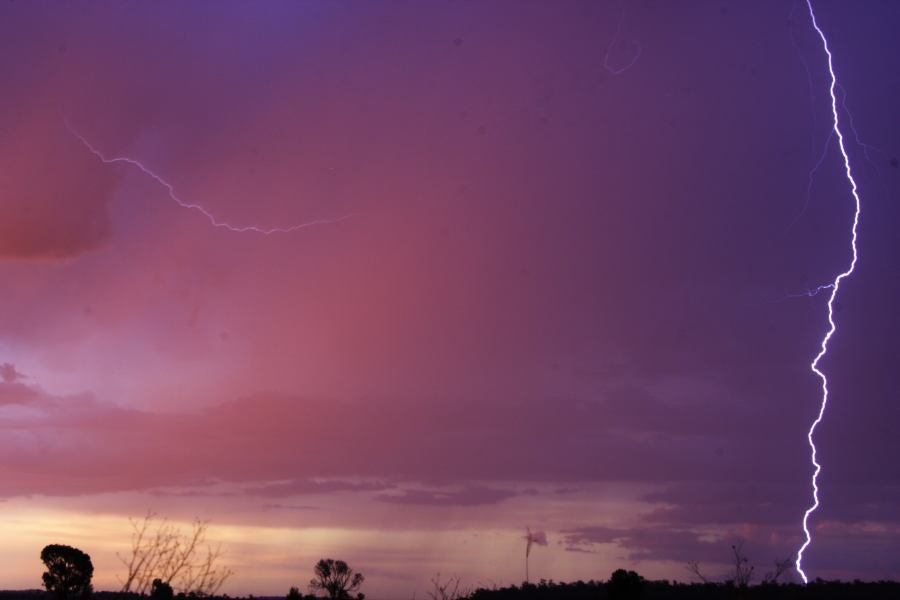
x: 246, y: 440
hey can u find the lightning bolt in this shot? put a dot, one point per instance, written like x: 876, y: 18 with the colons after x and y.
x: 213, y: 220
x: 835, y: 287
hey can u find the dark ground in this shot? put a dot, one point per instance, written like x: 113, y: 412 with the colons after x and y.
x: 664, y: 590
x: 593, y: 590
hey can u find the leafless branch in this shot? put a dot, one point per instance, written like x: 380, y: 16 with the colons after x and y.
x: 743, y: 570
x: 781, y: 567
x: 446, y: 590
x: 694, y: 567
x: 159, y: 550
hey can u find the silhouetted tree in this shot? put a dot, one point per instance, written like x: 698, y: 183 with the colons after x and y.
x: 336, y: 579
x: 69, y: 572
x: 447, y: 590
x: 625, y: 585
x: 781, y: 567
x: 743, y: 570
x: 694, y: 567
x: 160, y: 590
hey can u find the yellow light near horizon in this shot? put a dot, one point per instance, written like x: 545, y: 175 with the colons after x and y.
x: 270, y: 551
x: 263, y: 557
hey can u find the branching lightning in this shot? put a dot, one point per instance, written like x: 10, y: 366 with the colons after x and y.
x: 810, y: 180
x: 637, y: 49
x: 213, y: 220
x: 835, y: 287
x: 810, y: 293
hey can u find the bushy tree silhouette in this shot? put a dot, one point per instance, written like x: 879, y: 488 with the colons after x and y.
x: 625, y: 585
x: 69, y: 572
x: 336, y: 579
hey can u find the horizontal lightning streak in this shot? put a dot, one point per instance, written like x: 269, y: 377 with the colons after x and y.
x: 812, y: 292
x: 814, y: 366
x: 213, y: 220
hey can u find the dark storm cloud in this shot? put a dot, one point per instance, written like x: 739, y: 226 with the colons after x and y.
x: 659, y: 543
x: 9, y: 373
x: 242, y: 441
x: 705, y: 503
x: 868, y: 548
x: 471, y: 495
x: 765, y: 503
x: 310, y: 486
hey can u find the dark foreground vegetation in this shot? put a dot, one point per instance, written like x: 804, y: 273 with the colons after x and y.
x: 604, y: 590
x: 665, y: 590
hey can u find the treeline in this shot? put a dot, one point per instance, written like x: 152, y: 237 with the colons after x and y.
x: 666, y: 590
x: 44, y: 595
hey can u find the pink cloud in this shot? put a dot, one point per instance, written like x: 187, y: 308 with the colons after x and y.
x: 17, y: 393
x: 106, y: 448
x: 9, y: 374
x: 54, y: 196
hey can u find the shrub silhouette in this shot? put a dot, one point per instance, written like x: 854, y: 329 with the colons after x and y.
x: 69, y: 572
x: 294, y: 594
x: 336, y: 579
x: 160, y: 590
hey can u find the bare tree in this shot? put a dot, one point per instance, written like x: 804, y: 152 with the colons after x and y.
x: 743, y: 570
x: 160, y: 550
x: 781, y: 567
x: 694, y: 567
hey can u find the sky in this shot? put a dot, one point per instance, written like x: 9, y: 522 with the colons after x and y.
x: 551, y: 275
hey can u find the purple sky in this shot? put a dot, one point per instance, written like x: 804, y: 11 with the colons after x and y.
x: 560, y: 300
